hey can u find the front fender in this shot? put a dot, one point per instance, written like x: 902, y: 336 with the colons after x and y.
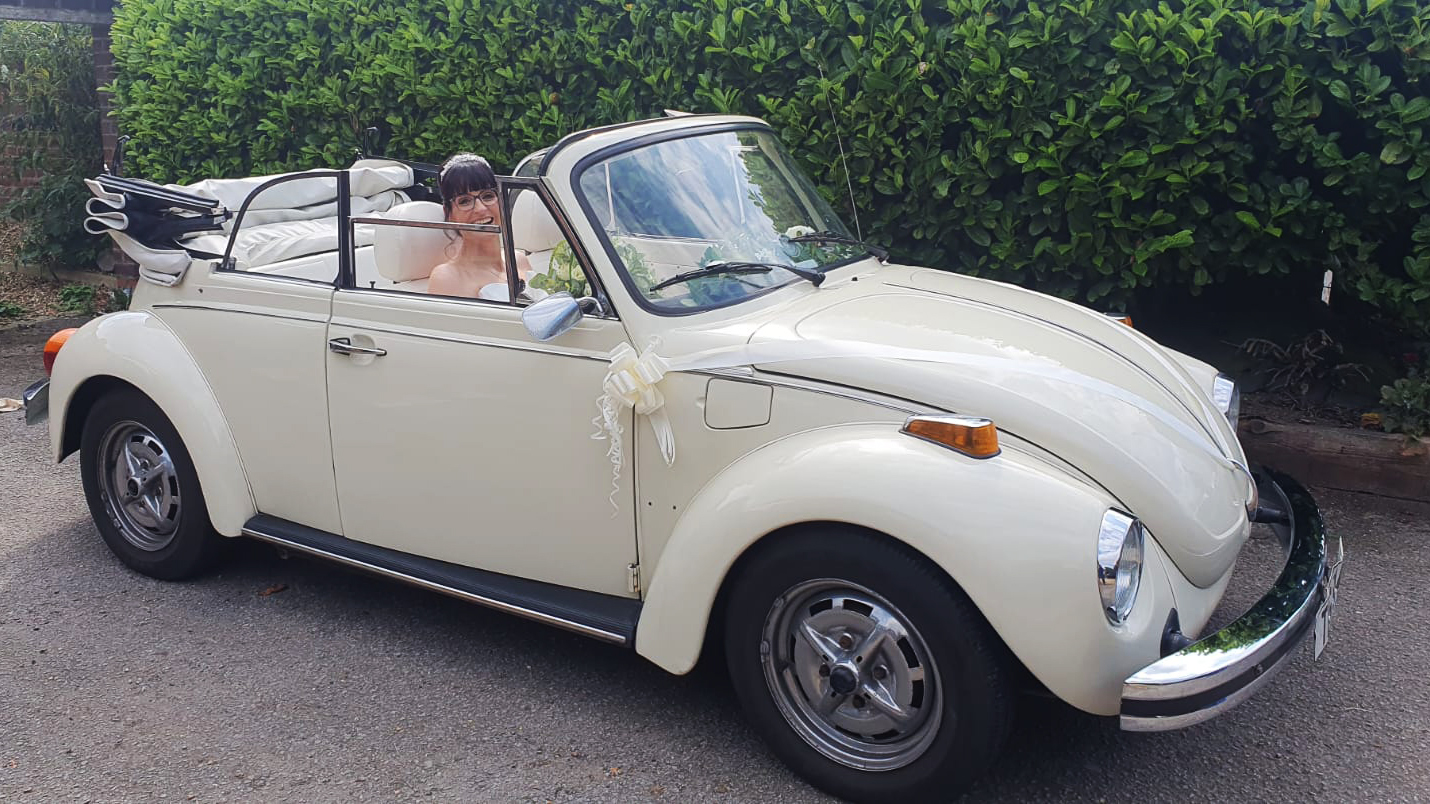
x: 138, y: 349
x: 1018, y: 536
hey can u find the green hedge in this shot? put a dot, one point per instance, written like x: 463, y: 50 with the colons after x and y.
x: 49, y: 124
x: 1087, y: 147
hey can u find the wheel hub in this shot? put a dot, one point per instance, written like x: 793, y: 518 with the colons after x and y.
x: 851, y: 675
x: 843, y: 679
x: 139, y: 485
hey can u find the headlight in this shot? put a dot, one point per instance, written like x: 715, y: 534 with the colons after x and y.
x: 1227, y: 397
x: 1119, y: 564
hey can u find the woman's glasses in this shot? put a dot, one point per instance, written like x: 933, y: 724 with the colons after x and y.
x: 468, y: 201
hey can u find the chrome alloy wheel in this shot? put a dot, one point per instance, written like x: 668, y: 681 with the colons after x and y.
x: 851, y: 675
x: 139, y: 486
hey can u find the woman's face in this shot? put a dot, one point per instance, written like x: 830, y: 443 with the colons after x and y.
x: 477, y: 206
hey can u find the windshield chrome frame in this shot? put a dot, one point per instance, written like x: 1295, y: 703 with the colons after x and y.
x: 635, y: 143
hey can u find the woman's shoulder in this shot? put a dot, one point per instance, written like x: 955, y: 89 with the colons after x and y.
x: 446, y: 279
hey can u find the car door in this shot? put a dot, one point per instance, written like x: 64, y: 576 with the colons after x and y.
x: 257, y: 326
x: 458, y: 437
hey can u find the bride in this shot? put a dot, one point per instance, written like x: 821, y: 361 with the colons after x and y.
x: 478, y: 270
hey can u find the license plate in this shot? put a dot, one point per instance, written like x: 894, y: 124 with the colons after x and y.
x: 1329, y: 585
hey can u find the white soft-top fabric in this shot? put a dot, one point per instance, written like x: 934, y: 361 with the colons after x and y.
x: 359, y: 205
x: 405, y: 253
x: 368, y: 177
x: 160, y: 266
x: 257, y: 246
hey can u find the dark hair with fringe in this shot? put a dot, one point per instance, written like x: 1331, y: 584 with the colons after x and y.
x: 464, y: 173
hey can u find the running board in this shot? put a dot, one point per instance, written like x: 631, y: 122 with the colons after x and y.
x: 605, y: 617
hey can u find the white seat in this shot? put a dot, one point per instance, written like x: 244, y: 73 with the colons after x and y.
x: 533, y: 230
x: 406, y: 255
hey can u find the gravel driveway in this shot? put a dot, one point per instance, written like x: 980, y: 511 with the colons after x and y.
x: 292, y: 680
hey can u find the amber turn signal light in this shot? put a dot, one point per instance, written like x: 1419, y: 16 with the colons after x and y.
x: 52, y: 347
x: 970, y: 435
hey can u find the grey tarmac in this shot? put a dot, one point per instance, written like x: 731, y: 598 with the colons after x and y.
x: 292, y: 680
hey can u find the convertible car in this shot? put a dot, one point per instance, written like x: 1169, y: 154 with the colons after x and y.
x: 889, y: 498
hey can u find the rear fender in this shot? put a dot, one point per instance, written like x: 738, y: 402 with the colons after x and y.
x: 137, y: 349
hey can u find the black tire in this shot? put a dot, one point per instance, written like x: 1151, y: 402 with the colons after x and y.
x: 164, y: 532
x: 959, y: 732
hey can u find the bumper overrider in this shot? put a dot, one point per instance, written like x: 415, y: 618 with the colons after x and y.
x: 1223, y: 669
x: 36, y: 400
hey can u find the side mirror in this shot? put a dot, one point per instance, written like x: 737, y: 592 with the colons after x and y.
x: 551, y: 316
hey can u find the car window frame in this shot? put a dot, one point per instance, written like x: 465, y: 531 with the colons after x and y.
x: 227, y: 265
x: 507, y: 187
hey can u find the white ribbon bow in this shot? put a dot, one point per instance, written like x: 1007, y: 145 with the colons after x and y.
x: 631, y: 383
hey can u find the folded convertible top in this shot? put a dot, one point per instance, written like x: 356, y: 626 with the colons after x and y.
x: 163, y: 227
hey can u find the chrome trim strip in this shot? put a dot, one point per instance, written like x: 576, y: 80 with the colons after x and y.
x: 446, y: 339
x: 586, y: 630
x: 906, y: 406
x: 777, y: 379
x: 36, y: 401
x: 462, y: 227
x: 211, y: 308
x: 1222, y: 669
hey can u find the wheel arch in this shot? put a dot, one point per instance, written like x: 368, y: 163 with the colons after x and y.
x: 755, y: 549
x: 136, y: 350
x: 964, y: 516
x: 81, y: 401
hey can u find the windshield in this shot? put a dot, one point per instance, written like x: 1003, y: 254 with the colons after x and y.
x: 681, y: 205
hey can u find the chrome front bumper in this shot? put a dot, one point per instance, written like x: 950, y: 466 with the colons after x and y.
x: 37, y: 402
x: 1223, y: 669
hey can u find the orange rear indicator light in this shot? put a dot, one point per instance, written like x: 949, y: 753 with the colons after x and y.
x: 52, y: 347
x: 973, y: 436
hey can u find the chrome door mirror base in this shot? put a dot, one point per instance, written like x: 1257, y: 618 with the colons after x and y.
x: 553, y: 315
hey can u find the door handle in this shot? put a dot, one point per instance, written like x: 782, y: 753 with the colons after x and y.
x: 344, y: 346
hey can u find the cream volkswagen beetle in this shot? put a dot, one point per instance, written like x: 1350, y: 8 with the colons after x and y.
x: 711, y: 422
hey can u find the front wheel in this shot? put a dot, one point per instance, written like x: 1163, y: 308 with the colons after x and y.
x: 142, y: 489
x: 865, y: 669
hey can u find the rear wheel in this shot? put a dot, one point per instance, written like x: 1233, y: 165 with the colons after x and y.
x: 142, y: 489
x: 865, y: 669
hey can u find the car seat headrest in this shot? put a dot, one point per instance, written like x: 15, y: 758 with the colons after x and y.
x: 404, y: 253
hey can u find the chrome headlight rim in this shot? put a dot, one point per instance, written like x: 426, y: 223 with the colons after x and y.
x: 1226, y: 395
x: 1121, y: 546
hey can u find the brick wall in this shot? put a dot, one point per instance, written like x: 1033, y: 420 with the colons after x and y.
x: 104, y: 74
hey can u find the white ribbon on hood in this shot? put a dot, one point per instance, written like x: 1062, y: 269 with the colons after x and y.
x: 633, y: 382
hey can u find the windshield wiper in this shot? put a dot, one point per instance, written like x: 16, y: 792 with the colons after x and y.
x: 834, y: 237
x: 738, y: 267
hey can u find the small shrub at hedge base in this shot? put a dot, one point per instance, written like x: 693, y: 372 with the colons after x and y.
x: 77, y: 299
x: 117, y: 299
x: 1407, y: 406
x: 1305, y: 371
x: 10, y: 310
x: 1087, y: 147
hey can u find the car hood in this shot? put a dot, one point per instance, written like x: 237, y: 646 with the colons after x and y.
x: 1155, y: 441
